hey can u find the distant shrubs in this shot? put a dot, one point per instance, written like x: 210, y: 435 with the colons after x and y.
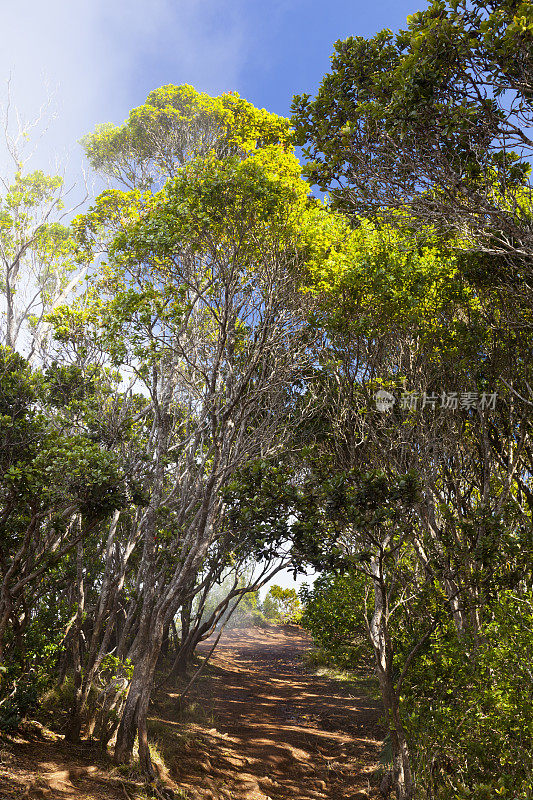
x: 250, y: 618
x: 282, y: 605
x: 257, y: 619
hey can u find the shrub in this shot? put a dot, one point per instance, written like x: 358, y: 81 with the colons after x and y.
x: 469, y: 708
x: 333, y: 614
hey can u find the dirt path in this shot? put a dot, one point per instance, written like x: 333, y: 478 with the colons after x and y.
x: 279, y: 731
x: 262, y: 727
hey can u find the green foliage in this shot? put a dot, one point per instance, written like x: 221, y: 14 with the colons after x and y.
x: 38, y: 255
x: 417, y: 78
x: 42, y: 467
x: 432, y: 124
x: 178, y: 124
x: 24, y: 700
x: 212, y: 209
x: 23, y: 681
x: 259, y: 500
x: 56, y: 485
x: 112, y: 667
x: 333, y: 612
x: 413, y: 510
x: 281, y: 605
x: 258, y: 619
x: 469, y: 708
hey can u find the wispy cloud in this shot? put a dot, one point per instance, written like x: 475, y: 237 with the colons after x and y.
x: 99, y: 58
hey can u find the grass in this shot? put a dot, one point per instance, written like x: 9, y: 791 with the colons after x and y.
x: 361, y: 679
x: 168, y: 738
x: 133, y: 772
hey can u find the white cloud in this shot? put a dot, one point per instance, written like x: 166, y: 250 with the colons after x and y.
x: 101, y: 57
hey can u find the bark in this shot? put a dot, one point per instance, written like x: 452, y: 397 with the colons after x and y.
x: 449, y: 579
x: 100, y: 634
x: 111, y: 699
x: 74, y: 729
x: 402, y: 775
x: 403, y: 779
x: 7, y: 591
x: 133, y: 720
x: 166, y: 641
x: 185, y: 616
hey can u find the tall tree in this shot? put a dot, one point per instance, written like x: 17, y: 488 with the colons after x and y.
x: 37, y: 252
x: 199, y: 300
x: 434, y: 123
x: 404, y: 327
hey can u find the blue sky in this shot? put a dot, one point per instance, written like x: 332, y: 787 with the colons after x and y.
x: 102, y: 57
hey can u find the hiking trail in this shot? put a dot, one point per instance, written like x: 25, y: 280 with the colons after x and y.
x: 263, y: 727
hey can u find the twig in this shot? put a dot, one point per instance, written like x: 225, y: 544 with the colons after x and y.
x: 125, y: 792
x: 202, y: 666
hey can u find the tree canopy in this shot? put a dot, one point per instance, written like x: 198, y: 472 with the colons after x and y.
x: 209, y: 375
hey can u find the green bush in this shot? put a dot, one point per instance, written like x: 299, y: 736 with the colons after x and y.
x: 333, y: 614
x: 21, y: 696
x: 257, y: 619
x: 469, y: 708
x: 29, y: 673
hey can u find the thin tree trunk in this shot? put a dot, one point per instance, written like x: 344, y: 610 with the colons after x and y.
x: 74, y: 729
x: 98, y: 644
x: 403, y: 779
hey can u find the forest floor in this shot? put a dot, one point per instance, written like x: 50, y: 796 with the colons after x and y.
x: 257, y: 725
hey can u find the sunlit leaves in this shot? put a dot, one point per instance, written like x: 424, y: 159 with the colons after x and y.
x: 178, y: 124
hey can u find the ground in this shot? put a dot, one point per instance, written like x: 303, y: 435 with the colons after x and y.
x: 257, y: 725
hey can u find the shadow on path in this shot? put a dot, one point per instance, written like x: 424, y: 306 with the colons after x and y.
x: 276, y: 730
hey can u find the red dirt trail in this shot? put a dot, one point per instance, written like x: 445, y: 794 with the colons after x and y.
x: 263, y: 728
x: 279, y: 731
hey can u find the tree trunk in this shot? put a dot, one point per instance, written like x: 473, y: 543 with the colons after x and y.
x: 401, y: 765
x: 403, y: 780
x: 74, y: 729
x: 166, y: 641
x: 133, y: 720
x: 185, y: 616
x: 183, y: 658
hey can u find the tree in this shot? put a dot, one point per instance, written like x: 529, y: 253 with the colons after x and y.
x: 433, y: 124
x: 333, y: 612
x: 37, y: 252
x: 400, y: 318
x: 56, y: 487
x: 364, y: 522
x: 199, y: 300
x: 176, y: 125
x: 282, y: 604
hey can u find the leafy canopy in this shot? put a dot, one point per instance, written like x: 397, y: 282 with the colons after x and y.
x: 434, y: 121
x: 178, y: 124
